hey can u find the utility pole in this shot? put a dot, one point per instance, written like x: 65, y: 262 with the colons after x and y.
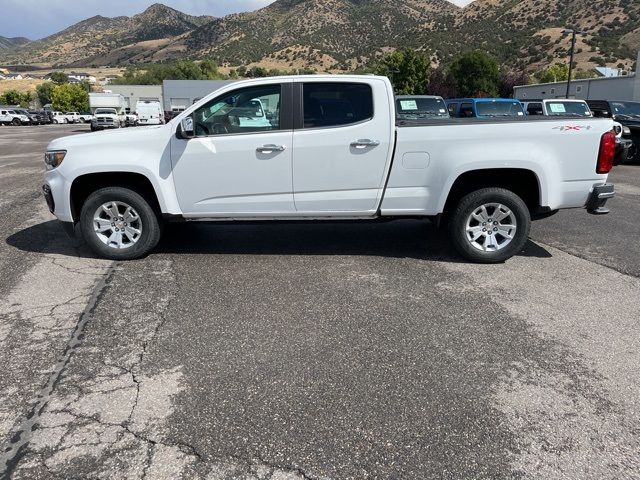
x: 573, y: 33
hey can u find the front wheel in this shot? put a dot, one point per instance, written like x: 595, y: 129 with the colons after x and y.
x: 16, y: 122
x: 119, y: 224
x: 490, y: 225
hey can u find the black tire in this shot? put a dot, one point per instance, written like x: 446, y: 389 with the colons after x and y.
x: 93, y: 129
x: 471, y: 202
x: 16, y: 122
x: 149, y: 218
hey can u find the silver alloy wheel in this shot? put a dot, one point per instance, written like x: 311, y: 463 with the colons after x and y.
x: 117, y: 225
x: 491, y: 227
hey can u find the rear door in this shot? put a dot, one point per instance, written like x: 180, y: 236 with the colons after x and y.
x: 342, y: 145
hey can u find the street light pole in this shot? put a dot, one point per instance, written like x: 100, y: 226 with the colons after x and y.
x: 573, y: 32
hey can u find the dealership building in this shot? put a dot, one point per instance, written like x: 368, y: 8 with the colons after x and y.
x: 134, y: 93
x: 181, y: 94
x: 623, y: 88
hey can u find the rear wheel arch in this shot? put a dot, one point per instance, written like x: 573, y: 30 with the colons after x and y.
x: 84, y: 185
x: 523, y: 182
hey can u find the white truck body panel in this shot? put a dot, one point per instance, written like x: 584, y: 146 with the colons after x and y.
x: 106, y: 100
x: 319, y: 174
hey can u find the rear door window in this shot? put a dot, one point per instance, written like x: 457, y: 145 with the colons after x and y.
x: 466, y: 110
x: 336, y: 104
x: 535, y: 109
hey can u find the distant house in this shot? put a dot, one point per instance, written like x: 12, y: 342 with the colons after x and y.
x: 14, y: 76
x: 81, y: 77
x: 2, y: 77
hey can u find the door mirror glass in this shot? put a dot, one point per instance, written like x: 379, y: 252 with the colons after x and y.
x: 186, y: 128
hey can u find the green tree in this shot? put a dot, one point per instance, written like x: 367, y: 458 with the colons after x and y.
x: 59, y: 78
x: 555, y: 73
x: 408, y: 70
x: 476, y: 74
x: 44, y: 92
x: 70, y: 98
x: 15, y: 97
x: 209, y: 70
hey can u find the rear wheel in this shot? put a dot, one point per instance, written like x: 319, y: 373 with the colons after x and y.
x: 490, y: 225
x: 119, y: 224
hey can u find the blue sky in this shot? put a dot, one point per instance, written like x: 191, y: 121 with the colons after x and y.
x: 39, y: 18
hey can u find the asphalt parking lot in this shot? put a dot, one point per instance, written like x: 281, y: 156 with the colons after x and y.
x: 316, y: 351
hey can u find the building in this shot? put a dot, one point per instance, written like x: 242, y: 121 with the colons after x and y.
x: 134, y: 93
x: 180, y: 94
x: 623, y: 88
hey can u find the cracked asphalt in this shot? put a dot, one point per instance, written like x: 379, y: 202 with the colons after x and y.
x: 316, y: 351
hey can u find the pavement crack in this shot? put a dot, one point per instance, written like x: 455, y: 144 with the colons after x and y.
x: 21, y: 438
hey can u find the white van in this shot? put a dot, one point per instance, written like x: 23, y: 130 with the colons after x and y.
x: 149, y: 112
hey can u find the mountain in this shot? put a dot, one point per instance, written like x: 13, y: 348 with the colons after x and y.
x: 323, y: 33
x: 345, y: 34
x: 529, y: 32
x: 12, y: 42
x: 95, y: 40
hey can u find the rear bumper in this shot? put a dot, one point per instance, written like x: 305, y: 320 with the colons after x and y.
x: 599, y: 197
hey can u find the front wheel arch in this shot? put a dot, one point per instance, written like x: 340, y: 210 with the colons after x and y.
x: 85, y: 185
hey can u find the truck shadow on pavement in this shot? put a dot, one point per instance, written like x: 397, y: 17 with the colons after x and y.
x: 400, y: 238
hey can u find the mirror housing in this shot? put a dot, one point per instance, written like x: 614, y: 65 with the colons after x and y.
x: 185, y: 129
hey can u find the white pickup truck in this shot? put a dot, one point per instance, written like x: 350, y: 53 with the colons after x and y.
x: 324, y: 148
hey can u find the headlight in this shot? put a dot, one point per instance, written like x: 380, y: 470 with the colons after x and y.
x: 626, y: 131
x: 54, y: 158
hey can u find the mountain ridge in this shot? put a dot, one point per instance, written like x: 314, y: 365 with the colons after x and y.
x: 342, y: 35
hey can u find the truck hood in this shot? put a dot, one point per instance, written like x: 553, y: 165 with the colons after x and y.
x: 108, y: 138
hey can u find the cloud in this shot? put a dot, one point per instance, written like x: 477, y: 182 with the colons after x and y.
x: 39, y: 18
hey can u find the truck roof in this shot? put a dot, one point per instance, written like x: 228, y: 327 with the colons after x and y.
x: 487, y: 99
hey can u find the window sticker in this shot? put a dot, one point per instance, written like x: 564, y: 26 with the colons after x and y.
x: 409, y: 104
x: 557, y: 108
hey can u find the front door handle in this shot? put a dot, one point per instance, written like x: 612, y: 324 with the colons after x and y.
x: 267, y: 149
x: 365, y: 143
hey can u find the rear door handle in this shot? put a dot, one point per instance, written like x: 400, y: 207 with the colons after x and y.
x: 365, y: 143
x: 271, y: 148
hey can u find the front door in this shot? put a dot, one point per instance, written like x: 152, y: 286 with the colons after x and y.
x: 239, y: 163
x: 342, y: 147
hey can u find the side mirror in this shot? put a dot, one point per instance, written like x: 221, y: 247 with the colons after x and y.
x: 185, y: 129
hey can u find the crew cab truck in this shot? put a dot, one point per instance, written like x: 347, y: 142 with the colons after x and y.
x: 331, y: 150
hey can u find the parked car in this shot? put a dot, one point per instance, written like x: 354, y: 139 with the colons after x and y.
x: 59, y: 117
x: 106, y: 118
x: 31, y: 119
x: 484, y: 107
x: 85, y: 117
x: 149, y: 112
x: 74, y: 117
x: 558, y: 107
x: 9, y: 116
x: 39, y: 117
x: 416, y: 107
x: 333, y: 150
x: 131, y: 119
x: 628, y: 115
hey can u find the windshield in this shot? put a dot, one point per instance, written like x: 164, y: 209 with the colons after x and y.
x: 110, y: 111
x: 418, y: 107
x: 630, y: 109
x: 578, y: 109
x: 499, y: 109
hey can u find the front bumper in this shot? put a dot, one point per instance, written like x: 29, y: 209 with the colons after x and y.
x: 598, y: 198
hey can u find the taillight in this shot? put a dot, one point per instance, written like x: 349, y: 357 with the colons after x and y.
x: 607, y: 153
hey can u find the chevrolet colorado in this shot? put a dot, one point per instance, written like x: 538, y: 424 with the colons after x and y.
x: 324, y: 148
